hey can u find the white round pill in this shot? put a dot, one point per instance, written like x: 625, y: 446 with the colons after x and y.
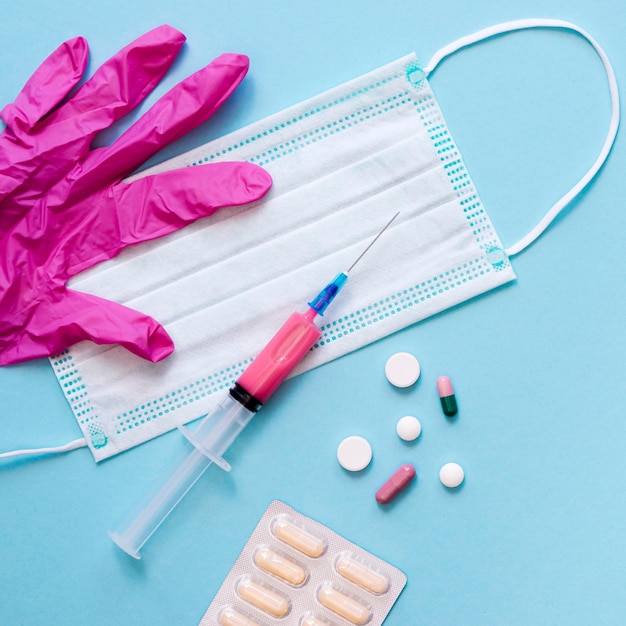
x: 354, y: 453
x: 408, y: 428
x: 402, y: 369
x: 451, y: 475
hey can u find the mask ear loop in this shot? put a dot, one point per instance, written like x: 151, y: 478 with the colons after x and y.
x: 515, y: 25
x: 68, y: 447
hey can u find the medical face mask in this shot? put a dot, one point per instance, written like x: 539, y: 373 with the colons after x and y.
x: 343, y: 163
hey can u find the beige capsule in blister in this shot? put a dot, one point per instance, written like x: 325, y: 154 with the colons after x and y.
x: 262, y: 597
x: 361, y: 574
x: 280, y: 566
x: 231, y: 617
x: 299, y: 538
x: 312, y: 619
x: 344, y: 605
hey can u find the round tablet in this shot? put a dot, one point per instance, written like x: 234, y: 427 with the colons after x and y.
x: 354, y: 453
x: 408, y: 428
x: 402, y: 369
x: 451, y: 475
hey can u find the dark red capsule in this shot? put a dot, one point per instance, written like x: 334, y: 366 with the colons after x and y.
x: 398, y: 481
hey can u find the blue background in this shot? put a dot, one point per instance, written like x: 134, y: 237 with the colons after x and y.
x: 536, y: 533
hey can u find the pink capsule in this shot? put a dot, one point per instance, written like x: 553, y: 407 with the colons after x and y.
x: 398, y: 481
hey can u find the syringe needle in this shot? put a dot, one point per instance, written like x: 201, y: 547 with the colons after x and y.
x: 372, y: 242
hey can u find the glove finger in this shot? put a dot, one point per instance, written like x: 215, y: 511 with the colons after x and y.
x: 119, y: 84
x: 184, y: 107
x: 48, y: 85
x: 79, y: 316
x: 157, y: 205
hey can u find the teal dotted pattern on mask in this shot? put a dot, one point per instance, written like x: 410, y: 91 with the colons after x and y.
x: 428, y: 110
x: 323, y: 131
x: 78, y: 398
x: 76, y: 394
x: 176, y: 399
x: 332, y: 128
x: 415, y: 296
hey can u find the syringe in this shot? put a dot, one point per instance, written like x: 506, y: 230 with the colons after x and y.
x: 217, y: 431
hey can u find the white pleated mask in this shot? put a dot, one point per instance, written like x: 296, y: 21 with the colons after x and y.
x: 343, y: 163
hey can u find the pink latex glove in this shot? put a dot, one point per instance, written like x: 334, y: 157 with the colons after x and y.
x: 43, y: 141
x: 66, y: 208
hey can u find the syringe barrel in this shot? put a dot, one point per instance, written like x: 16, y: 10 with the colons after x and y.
x: 207, y: 443
x: 281, y: 354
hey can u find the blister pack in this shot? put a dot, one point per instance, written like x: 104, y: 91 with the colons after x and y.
x: 295, y: 571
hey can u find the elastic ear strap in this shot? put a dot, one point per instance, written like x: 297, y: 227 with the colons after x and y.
x: 68, y: 447
x: 613, y: 126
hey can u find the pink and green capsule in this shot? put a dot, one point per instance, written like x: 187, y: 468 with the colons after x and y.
x: 447, y: 397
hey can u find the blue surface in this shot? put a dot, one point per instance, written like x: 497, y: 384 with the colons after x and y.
x: 535, y: 535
